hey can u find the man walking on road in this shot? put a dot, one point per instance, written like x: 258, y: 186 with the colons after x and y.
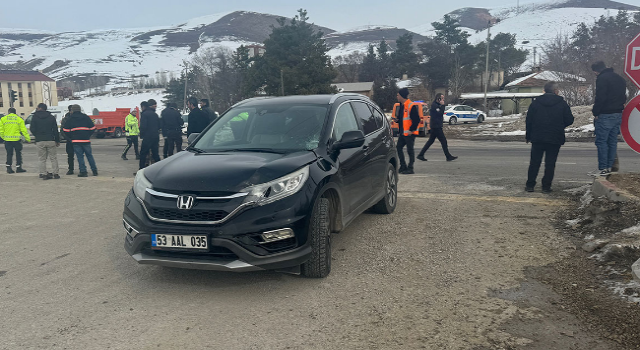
x: 172, y: 123
x: 149, y: 132
x: 436, y: 120
x: 80, y: 127
x: 198, y: 119
x: 408, y: 119
x: 68, y: 145
x: 133, y: 130
x: 611, y: 95
x: 45, y: 130
x: 12, y: 129
x: 547, y: 118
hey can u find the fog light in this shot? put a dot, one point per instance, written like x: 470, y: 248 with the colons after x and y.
x: 129, y: 229
x: 277, y: 235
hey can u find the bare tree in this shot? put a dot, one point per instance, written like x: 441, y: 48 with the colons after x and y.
x: 348, y: 67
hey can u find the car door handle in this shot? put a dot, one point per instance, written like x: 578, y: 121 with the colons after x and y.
x: 365, y: 147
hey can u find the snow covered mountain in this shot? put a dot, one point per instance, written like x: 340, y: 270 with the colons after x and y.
x: 534, y: 22
x: 122, y: 53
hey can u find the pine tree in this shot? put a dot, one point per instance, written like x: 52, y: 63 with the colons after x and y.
x: 404, y: 60
x: 296, y: 54
x: 369, y: 68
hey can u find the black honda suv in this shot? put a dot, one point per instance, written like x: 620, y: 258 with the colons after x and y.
x: 265, y: 186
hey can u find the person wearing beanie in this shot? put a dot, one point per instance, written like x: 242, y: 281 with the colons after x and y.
x: 436, y: 120
x: 68, y: 144
x: 408, y: 118
x: 79, y: 128
x: 45, y: 130
x: 149, y: 132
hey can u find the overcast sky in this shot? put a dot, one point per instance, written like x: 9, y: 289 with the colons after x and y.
x: 73, y: 15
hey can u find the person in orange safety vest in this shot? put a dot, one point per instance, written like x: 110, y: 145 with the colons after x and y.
x: 408, y: 118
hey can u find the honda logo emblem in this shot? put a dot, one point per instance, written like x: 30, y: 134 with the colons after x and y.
x: 185, y: 202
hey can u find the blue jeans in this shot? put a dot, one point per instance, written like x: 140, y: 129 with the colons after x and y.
x: 82, y: 149
x: 607, y: 130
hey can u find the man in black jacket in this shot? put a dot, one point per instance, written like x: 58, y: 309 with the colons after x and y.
x: 79, y: 128
x: 206, y: 108
x: 149, y: 128
x: 68, y: 145
x: 172, y: 123
x: 198, y: 120
x: 611, y: 95
x: 436, y: 114
x: 44, y: 128
x: 547, y: 118
x: 407, y: 130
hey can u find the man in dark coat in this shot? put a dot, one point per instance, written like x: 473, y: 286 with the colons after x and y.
x: 611, y: 95
x: 79, y: 128
x: 206, y: 108
x: 44, y: 128
x: 171, y: 123
x: 198, y: 120
x: 68, y: 144
x: 436, y: 114
x: 547, y: 118
x: 149, y: 132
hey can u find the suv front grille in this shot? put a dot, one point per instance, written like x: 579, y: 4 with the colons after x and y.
x: 188, y: 215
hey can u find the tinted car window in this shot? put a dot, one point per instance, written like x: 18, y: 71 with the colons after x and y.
x: 286, y: 127
x: 367, y: 120
x: 378, y: 116
x: 460, y: 108
x: 345, y: 121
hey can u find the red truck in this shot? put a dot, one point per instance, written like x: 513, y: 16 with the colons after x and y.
x: 110, y: 123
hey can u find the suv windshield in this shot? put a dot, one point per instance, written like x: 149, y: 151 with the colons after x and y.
x: 274, y: 127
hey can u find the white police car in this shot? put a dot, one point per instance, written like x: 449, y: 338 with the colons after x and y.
x: 455, y: 114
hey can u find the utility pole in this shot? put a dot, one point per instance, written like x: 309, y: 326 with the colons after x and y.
x: 282, y: 82
x: 185, y: 86
x: 486, y: 70
x: 535, y: 65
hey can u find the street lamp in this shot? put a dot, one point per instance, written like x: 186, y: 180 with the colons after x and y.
x: 486, y: 67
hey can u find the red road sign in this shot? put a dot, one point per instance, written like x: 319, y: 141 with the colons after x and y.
x: 632, y: 60
x: 630, y: 127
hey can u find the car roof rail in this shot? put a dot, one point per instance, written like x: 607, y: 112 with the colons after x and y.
x: 344, y: 94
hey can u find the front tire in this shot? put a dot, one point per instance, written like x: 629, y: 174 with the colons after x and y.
x: 453, y: 121
x: 117, y: 133
x: 319, y: 265
x: 387, y: 204
x: 480, y: 119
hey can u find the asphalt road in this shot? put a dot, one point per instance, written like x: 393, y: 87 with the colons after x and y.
x: 422, y: 278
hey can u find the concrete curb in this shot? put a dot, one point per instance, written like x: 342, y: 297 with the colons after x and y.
x: 635, y: 270
x: 604, y: 188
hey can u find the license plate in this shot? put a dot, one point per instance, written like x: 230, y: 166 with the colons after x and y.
x: 190, y: 242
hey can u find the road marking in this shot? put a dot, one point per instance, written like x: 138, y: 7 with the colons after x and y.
x: 454, y: 196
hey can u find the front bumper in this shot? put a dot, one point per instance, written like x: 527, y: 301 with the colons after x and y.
x: 231, y: 248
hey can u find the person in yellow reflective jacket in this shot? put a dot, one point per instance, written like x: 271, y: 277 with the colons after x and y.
x: 11, y: 131
x: 132, y: 129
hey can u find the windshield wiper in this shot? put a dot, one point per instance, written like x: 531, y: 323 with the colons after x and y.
x: 196, y: 150
x: 261, y: 150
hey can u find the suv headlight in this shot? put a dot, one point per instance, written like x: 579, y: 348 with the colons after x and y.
x: 277, y: 189
x: 140, y: 184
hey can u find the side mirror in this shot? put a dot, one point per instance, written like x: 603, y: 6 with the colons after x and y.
x: 192, y: 138
x: 350, y: 139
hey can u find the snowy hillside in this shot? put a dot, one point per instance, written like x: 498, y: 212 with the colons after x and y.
x: 120, y: 54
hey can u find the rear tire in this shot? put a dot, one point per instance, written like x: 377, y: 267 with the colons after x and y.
x: 319, y: 264
x: 101, y: 134
x: 387, y: 204
x: 453, y: 121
